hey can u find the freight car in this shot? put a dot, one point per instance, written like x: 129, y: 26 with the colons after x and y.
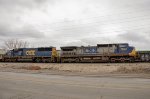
x: 101, y: 53
x: 143, y: 56
x: 43, y: 54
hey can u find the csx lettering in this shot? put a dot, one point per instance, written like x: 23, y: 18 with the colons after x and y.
x: 30, y: 52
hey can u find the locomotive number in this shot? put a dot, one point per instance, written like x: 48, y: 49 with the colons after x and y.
x: 123, y: 49
x: 30, y: 52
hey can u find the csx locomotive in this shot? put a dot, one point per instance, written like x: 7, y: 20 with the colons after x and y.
x: 100, y: 53
x: 43, y: 54
x: 121, y: 52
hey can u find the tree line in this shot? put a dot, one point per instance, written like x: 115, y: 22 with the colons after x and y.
x: 15, y: 44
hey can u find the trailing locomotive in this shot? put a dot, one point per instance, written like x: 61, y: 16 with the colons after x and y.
x: 43, y: 54
x: 101, y: 53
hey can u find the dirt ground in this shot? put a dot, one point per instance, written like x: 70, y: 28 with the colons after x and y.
x: 77, y: 68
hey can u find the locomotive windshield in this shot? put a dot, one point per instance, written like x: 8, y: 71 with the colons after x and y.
x: 123, y: 45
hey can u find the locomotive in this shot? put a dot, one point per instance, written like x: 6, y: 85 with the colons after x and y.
x: 43, y: 54
x: 121, y: 52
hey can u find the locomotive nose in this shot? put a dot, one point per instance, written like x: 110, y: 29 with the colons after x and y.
x: 133, y: 52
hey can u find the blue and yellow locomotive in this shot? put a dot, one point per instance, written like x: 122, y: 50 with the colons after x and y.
x: 43, y: 54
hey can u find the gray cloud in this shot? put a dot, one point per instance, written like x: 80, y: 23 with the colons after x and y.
x: 21, y: 3
x: 139, y: 39
x: 20, y: 32
x: 135, y: 37
x: 76, y: 22
x: 11, y: 25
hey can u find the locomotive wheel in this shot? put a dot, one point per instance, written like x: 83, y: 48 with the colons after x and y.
x: 77, y: 60
x: 38, y: 60
x: 48, y: 60
x: 131, y: 59
x: 113, y: 60
x: 14, y: 60
x: 44, y: 60
x: 122, y: 60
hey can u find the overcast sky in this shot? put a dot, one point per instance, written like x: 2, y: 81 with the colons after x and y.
x: 76, y: 22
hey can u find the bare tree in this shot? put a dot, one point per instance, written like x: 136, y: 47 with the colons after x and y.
x: 14, y: 44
